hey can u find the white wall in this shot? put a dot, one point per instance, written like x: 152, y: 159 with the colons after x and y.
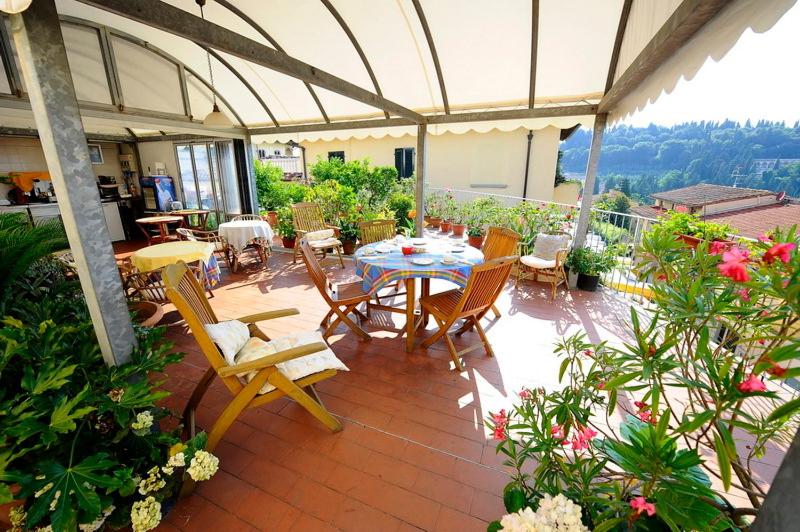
x: 466, y: 161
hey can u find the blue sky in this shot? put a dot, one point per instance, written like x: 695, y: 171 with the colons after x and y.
x: 758, y: 78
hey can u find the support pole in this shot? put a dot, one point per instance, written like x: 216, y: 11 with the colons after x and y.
x: 43, y: 61
x: 422, y: 175
x: 591, y: 175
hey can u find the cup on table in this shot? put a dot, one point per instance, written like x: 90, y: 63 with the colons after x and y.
x: 407, y: 249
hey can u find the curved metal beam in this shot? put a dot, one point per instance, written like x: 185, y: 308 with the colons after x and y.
x: 261, y: 31
x: 534, y: 51
x: 429, y: 38
x: 241, y: 78
x: 156, y: 50
x: 623, y: 25
x: 357, y: 46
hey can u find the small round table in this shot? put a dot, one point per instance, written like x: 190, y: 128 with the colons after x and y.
x: 241, y: 233
x: 156, y: 257
x: 161, y: 222
x: 186, y: 214
x: 388, y: 264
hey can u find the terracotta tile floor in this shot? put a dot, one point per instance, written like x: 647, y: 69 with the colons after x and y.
x: 414, y: 453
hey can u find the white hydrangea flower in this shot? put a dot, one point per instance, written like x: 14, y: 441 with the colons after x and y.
x: 97, y: 523
x: 176, y: 460
x: 203, y: 466
x: 554, y: 514
x: 145, y: 514
x: 17, y: 517
x: 144, y: 420
x: 153, y: 482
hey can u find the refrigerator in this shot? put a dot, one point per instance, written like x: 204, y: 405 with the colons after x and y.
x: 158, y: 191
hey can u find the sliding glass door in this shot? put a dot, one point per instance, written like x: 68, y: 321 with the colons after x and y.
x: 208, y: 179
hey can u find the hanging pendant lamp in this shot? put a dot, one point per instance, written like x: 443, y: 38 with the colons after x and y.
x: 215, y: 118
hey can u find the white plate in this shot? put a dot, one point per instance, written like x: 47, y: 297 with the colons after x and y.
x: 449, y: 260
x: 419, y: 241
x: 384, y: 248
x: 422, y: 261
x: 368, y: 251
x: 457, y: 250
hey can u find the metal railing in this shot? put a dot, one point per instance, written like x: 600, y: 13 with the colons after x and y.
x: 621, y: 233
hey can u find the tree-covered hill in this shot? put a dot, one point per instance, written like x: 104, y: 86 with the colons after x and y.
x: 656, y: 158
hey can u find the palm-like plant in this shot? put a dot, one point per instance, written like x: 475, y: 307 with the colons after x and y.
x: 23, y: 243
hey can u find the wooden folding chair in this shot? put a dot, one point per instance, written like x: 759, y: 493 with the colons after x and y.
x: 308, y: 218
x: 185, y: 292
x: 470, y: 304
x: 500, y: 242
x: 343, y: 298
x: 377, y: 231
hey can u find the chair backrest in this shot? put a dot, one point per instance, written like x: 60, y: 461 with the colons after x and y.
x: 308, y: 217
x: 377, y: 230
x: 147, y: 285
x: 186, y: 293
x: 185, y: 234
x: 246, y: 217
x: 315, y: 270
x: 500, y: 242
x: 485, y: 283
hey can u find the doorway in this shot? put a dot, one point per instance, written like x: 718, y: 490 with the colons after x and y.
x: 208, y: 179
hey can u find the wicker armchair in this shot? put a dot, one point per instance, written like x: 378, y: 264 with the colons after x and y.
x: 308, y: 219
x: 221, y: 247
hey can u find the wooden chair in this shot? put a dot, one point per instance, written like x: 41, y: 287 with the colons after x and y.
x: 185, y: 292
x: 470, y: 304
x: 500, y: 242
x: 262, y: 247
x: 221, y: 247
x: 343, y: 298
x: 377, y: 231
x: 552, y: 269
x: 247, y: 217
x: 308, y: 218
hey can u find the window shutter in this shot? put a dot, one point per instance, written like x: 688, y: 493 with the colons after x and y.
x: 398, y: 161
x: 409, y: 162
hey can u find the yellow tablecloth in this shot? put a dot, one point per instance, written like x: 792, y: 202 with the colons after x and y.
x: 160, y: 255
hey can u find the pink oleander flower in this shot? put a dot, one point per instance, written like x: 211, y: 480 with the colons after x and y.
x: 601, y: 386
x: 588, y: 352
x: 761, y: 341
x: 764, y: 313
x: 765, y: 238
x: 587, y: 434
x: 752, y: 384
x: 500, y: 433
x: 646, y: 416
x: 525, y: 394
x: 641, y: 506
x: 640, y: 405
x: 579, y: 444
x: 777, y: 371
x: 734, y: 264
x: 782, y: 251
x: 717, y: 247
x: 744, y: 294
x: 557, y: 432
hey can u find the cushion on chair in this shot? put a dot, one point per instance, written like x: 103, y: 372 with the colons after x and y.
x: 547, y: 246
x: 537, y: 263
x: 230, y: 337
x: 324, y: 234
x: 297, y: 368
x: 325, y: 244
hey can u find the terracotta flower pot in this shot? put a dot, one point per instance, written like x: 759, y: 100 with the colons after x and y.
x: 337, y: 232
x: 434, y: 221
x: 348, y: 246
x: 272, y: 218
x: 444, y: 226
x: 288, y: 242
x: 475, y: 241
x: 693, y: 241
x: 148, y: 313
x: 5, y: 509
x: 458, y: 229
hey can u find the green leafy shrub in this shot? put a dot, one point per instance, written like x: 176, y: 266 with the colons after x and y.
x: 286, y: 223
x: 335, y: 199
x: 374, y: 185
x: 681, y: 223
x: 481, y: 213
x: 401, y: 205
x: 591, y: 262
x: 272, y: 192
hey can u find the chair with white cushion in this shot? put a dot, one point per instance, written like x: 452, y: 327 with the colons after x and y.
x: 255, y: 369
x: 309, y: 224
x: 546, y: 260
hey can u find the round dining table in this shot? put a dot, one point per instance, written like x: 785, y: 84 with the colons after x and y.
x: 161, y: 222
x: 240, y: 233
x: 383, y: 263
x: 156, y: 257
x: 186, y: 214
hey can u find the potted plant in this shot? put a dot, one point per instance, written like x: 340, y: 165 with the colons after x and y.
x: 348, y: 234
x: 475, y: 236
x: 449, y: 208
x: 478, y: 214
x: 691, y: 230
x: 286, y: 227
x: 458, y: 218
x: 589, y: 264
x: 433, y: 209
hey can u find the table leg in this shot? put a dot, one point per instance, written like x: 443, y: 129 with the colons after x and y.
x: 426, y: 291
x: 410, y: 307
x: 162, y: 228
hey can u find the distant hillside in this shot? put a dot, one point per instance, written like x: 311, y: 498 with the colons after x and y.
x: 656, y: 158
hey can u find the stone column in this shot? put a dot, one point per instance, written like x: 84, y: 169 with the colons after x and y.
x: 421, y: 174
x: 43, y: 62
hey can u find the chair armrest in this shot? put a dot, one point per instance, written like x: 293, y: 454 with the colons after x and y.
x: 268, y: 315
x: 271, y: 360
x: 332, y: 227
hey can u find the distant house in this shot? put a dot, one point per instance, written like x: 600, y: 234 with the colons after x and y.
x: 759, y: 166
x: 750, y: 211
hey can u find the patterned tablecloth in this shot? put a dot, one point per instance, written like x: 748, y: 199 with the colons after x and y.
x: 239, y: 234
x: 388, y: 264
x: 156, y: 257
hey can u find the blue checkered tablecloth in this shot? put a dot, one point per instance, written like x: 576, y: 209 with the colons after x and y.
x: 384, y: 268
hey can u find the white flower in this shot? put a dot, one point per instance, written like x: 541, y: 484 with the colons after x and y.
x: 176, y: 460
x: 203, y: 466
x: 17, y: 516
x: 97, y: 523
x: 146, y: 514
x: 153, y: 482
x: 144, y: 420
x: 554, y: 514
x: 167, y: 470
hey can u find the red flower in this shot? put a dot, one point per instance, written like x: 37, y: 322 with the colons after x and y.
x: 640, y: 405
x: 500, y: 433
x: 587, y: 433
x: 588, y: 352
x: 579, y: 444
x: 500, y: 418
x: 782, y: 251
x: 752, y: 384
x: 646, y: 416
x: 525, y: 394
x: 734, y: 264
x: 601, y: 386
x: 717, y: 247
x: 761, y: 341
x: 764, y: 313
x: 777, y: 371
x: 765, y: 238
x: 744, y: 293
x: 641, y: 506
x: 557, y: 432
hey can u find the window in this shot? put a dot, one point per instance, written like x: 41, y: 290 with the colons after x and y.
x: 262, y: 153
x: 404, y: 161
x: 208, y: 179
x: 336, y: 155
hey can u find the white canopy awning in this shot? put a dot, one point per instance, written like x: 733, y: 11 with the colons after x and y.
x: 484, y: 53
